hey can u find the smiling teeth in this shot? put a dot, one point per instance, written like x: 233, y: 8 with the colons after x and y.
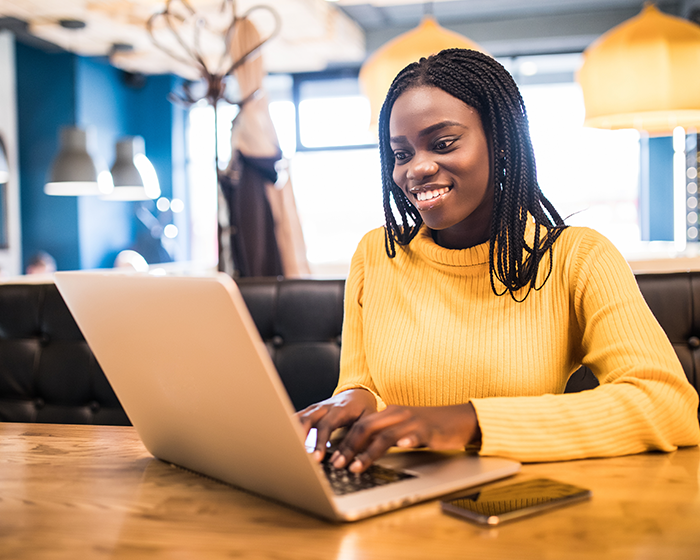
x: 429, y: 195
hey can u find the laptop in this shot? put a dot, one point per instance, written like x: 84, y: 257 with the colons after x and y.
x: 196, y: 380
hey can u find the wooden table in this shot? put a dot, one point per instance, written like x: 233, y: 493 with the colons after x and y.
x: 95, y: 492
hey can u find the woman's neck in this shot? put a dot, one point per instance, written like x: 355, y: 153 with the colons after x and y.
x: 474, y: 230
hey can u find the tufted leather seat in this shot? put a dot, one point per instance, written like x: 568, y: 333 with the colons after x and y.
x: 48, y: 373
x: 300, y: 322
x: 675, y: 301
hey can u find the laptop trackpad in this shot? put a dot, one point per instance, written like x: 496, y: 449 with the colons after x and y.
x: 418, y: 460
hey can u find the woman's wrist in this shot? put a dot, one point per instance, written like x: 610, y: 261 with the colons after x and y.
x: 475, y: 430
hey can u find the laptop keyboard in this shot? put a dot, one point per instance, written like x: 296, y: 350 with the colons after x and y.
x: 344, y: 481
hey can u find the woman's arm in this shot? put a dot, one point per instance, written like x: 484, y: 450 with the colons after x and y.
x: 644, y: 401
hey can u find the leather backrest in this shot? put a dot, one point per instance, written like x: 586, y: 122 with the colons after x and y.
x: 48, y: 373
x: 300, y: 322
x: 674, y: 299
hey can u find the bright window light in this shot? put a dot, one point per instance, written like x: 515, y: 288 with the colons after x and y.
x: 590, y: 175
x: 284, y: 120
x: 335, y: 121
x: 339, y: 198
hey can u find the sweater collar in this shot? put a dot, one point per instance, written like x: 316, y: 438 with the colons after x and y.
x: 424, y: 245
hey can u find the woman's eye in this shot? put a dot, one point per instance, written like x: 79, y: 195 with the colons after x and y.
x: 443, y: 144
x: 400, y: 156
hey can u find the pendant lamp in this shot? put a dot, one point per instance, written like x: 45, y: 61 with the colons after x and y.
x: 74, y: 172
x: 644, y: 74
x: 134, y: 175
x: 4, y: 165
x: 381, y: 68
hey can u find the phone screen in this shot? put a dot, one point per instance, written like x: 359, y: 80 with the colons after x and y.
x: 491, y: 506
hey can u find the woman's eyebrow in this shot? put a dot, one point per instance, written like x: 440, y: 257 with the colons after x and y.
x: 437, y: 126
x: 429, y: 130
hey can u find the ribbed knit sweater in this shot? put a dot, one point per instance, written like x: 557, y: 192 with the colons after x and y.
x: 426, y: 329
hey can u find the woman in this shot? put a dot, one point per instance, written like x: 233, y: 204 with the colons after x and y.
x: 467, y: 313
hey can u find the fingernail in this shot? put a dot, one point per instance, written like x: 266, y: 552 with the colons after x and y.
x: 405, y: 442
x: 356, y: 466
x: 335, y: 455
x: 339, y: 463
x: 318, y: 455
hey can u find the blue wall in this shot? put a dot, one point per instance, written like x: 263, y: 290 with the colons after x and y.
x: 105, y: 227
x: 46, y: 101
x: 56, y: 90
x: 661, y: 189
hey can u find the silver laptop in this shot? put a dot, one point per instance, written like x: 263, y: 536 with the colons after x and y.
x: 196, y: 380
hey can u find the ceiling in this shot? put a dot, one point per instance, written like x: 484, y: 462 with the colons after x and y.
x: 315, y: 34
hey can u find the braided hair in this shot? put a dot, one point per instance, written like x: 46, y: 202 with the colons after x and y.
x: 482, y: 83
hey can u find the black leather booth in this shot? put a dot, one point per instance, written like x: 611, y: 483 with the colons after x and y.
x: 48, y: 373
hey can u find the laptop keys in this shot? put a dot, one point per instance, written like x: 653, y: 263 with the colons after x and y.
x: 343, y: 481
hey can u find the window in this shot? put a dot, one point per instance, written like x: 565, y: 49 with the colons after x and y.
x: 333, y: 113
x: 339, y: 199
x: 591, y: 176
x: 335, y: 172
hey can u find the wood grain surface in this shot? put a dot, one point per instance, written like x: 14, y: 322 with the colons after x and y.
x: 95, y: 492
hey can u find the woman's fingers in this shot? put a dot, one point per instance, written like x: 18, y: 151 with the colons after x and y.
x: 379, y: 445
x: 371, y: 436
x: 446, y: 427
x: 311, y: 414
x: 337, y: 412
x: 313, y: 417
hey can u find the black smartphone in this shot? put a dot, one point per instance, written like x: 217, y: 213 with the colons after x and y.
x: 492, y: 506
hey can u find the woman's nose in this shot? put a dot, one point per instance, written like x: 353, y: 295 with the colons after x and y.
x: 421, y: 166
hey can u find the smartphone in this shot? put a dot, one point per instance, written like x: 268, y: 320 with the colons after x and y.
x: 493, y: 506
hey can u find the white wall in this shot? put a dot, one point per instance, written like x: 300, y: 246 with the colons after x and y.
x: 10, y: 257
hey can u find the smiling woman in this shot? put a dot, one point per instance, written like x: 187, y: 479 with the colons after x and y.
x: 468, y: 312
x: 443, y: 165
x: 477, y: 83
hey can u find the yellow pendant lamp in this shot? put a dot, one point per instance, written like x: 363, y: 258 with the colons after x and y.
x: 381, y: 68
x: 644, y: 74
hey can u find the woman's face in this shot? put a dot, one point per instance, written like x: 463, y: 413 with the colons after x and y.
x: 442, y: 164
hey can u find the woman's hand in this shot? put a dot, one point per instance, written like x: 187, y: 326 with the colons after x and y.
x: 439, y: 427
x: 339, y: 411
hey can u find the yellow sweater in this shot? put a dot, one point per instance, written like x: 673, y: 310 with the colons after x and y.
x: 425, y: 329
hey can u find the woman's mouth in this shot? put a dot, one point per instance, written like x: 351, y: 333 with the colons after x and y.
x: 427, y: 197
x: 422, y: 196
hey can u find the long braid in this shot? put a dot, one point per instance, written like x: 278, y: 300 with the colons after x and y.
x: 482, y: 83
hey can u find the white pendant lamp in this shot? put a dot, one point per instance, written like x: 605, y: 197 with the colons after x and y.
x: 134, y: 176
x: 74, y: 172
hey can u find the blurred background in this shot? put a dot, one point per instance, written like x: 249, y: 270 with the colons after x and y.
x: 124, y: 79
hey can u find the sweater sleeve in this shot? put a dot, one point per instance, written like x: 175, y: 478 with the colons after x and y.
x: 354, y: 371
x: 644, y: 401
